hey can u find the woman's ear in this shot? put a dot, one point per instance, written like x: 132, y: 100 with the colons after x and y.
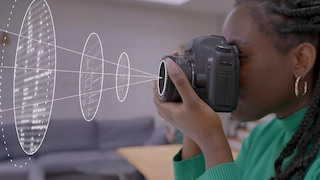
x: 304, y: 59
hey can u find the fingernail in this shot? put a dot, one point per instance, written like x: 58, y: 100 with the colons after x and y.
x: 172, y: 66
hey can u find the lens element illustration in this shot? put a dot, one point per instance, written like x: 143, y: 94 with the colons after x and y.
x: 162, y: 81
x: 34, y: 76
x: 91, y: 77
x: 123, y: 77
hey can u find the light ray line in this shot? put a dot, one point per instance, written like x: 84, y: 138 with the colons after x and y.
x: 73, y: 51
x: 77, y: 72
x: 77, y: 95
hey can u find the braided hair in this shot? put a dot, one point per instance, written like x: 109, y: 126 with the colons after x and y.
x: 292, y: 22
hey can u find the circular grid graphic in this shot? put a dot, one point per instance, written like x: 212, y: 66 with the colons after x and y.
x: 5, y: 40
x: 91, y: 77
x: 34, y: 76
x: 123, y: 77
x: 162, y: 81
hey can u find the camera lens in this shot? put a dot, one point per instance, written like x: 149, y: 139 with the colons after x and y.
x: 163, y: 76
x: 166, y: 89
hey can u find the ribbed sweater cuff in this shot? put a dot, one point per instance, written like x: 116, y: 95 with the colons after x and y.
x: 194, y: 164
x: 226, y: 171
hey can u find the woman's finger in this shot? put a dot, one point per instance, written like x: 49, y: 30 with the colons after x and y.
x: 181, y: 82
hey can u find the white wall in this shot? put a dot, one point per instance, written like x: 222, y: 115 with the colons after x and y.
x: 146, y: 34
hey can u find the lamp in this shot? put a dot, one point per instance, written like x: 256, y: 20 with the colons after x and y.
x: 4, y: 38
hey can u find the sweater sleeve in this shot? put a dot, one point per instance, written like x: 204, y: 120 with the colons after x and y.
x: 194, y: 168
x: 187, y: 169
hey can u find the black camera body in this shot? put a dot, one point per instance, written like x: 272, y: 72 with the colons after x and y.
x: 212, y: 68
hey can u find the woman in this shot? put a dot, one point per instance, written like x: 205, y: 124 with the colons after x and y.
x: 278, y: 44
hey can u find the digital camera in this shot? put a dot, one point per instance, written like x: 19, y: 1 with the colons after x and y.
x: 212, y: 68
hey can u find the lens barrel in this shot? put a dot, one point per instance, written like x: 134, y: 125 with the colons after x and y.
x: 167, y: 92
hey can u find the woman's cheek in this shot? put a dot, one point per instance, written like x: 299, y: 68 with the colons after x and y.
x: 242, y: 77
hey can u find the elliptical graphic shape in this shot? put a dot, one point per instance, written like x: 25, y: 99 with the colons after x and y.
x: 34, y: 76
x: 35, y: 73
x: 123, y: 77
x: 91, y: 77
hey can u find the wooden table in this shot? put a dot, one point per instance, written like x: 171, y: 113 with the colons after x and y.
x: 154, y: 162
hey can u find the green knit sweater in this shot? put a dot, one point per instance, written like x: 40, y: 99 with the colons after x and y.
x: 256, y: 157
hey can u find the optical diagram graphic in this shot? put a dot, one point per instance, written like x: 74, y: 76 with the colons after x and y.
x: 35, y: 75
x: 91, y: 84
x: 32, y: 85
x: 123, y: 77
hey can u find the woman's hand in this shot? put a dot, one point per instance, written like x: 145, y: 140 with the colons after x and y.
x: 194, y: 118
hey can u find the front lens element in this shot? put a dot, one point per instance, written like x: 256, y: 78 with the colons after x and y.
x: 162, y: 81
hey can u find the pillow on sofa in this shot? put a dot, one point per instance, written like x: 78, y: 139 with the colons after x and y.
x: 120, y: 133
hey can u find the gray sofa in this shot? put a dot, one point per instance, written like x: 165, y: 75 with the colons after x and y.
x: 68, y: 144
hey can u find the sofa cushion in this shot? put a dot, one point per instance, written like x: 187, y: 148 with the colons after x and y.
x: 158, y: 137
x: 69, y: 134
x: 36, y: 172
x: 128, y: 132
x: 9, y: 143
x: 66, y: 162
x: 18, y: 170
x: 3, y: 155
x: 63, y: 163
x: 76, y: 176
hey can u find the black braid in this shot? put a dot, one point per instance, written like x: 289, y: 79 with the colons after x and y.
x: 302, y: 156
x: 299, y: 13
x: 292, y: 22
x: 301, y: 3
x: 301, y: 163
x: 307, y: 19
x: 304, y: 27
x: 292, y: 144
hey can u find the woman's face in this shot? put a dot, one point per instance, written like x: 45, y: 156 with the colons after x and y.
x: 266, y: 75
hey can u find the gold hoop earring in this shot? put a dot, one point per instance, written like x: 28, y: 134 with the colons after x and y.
x: 296, y: 88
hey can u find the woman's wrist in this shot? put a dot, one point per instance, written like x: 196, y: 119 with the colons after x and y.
x: 190, y: 148
x: 215, y: 148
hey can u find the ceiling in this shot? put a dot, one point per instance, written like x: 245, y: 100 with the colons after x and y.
x: 199, y: 6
